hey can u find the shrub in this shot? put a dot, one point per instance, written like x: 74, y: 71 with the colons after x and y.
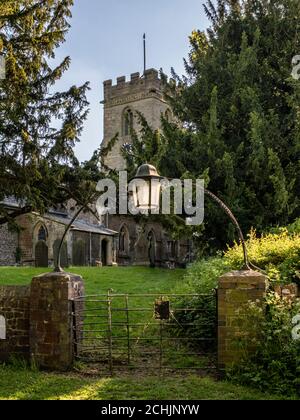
x: 276, y: 253
x: 202, y: 279
x: 203, y: 275
x: 275, y: 365
x: 294, y: 228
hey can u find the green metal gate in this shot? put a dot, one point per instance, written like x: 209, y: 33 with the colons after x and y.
x: 149, y: 332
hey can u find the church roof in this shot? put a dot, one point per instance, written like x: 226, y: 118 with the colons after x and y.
x: 11, y: 203
x: 81, y: 225
x: 63, y: 218
x: 88, y: 227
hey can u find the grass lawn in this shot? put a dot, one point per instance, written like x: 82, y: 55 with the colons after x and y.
x: 17, y: 382
x: 99, y: 280
x: 22, y: 384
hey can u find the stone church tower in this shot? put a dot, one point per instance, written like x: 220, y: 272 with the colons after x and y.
x: 138, y: 245
x: 121, y: 101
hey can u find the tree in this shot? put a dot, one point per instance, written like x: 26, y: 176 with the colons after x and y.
x: 238, y: 113
x: 38, y: 126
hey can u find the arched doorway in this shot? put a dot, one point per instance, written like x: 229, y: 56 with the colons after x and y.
x: 41, y: 254
x: 104, y: 252
x: 152, y: 249
x: 41, y: 248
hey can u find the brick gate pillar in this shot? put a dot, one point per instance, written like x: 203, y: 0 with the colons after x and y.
x: 235, y: 289
x: 51, y: 321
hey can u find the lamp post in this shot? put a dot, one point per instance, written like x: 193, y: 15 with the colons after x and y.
x: 146, y: 196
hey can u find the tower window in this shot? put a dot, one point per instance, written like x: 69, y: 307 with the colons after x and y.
x: 127, y: 122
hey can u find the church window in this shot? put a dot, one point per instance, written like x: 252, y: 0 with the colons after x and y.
x: 127, y: 122
x: 42, y: 234
x: 123, y: 240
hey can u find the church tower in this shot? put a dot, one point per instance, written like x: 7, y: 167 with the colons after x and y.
x: 137, y: 245
x: 121, y: 101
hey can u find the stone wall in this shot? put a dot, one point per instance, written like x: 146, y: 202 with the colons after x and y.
x: 290, y: 291
x: 8, y: 246
x: 38, y: 320
x: 14, y: 307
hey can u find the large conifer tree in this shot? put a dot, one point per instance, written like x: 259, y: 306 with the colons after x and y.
x: 38, y: 126
x: 239, y: 115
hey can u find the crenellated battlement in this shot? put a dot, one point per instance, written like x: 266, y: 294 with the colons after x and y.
x: 149, y: 81
x: 139, y: 93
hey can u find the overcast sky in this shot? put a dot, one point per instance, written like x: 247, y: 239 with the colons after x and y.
x: 105, y: 41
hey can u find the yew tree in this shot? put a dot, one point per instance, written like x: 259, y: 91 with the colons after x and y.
x: 39, y: 126
x: 237, y: 116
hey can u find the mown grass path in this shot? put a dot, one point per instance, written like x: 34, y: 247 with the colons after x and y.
x: 22, y: 384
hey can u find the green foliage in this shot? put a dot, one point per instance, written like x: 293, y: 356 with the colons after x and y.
x: 237, y: 116
x: 203, y: 275
x: 275, y: 366
x: 18, y: 362
x: 293, y: 228
x: 201, y: 280
x: 39, y: 126
x: 276, y: 253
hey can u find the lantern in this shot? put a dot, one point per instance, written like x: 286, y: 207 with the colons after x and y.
x: 146, y: 188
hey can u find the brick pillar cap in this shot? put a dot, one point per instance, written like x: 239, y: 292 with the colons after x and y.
x: 243, y: 273
x: 57, y: 276
x: 244, y: 276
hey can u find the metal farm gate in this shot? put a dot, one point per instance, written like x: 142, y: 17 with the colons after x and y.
x: 149, y: 332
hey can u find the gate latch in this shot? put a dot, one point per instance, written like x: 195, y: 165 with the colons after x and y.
x: 162, y: 310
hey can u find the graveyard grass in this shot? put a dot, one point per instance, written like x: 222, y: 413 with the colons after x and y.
x: 19, y: 382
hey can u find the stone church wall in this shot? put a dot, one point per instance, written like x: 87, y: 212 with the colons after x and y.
x: 8, y: 246
x: 137, y: 249
x: 29, y: 237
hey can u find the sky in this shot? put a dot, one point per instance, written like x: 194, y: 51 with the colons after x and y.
x: 106, y: 41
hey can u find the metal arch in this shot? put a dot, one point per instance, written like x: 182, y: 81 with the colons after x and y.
x: 235, y: 222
